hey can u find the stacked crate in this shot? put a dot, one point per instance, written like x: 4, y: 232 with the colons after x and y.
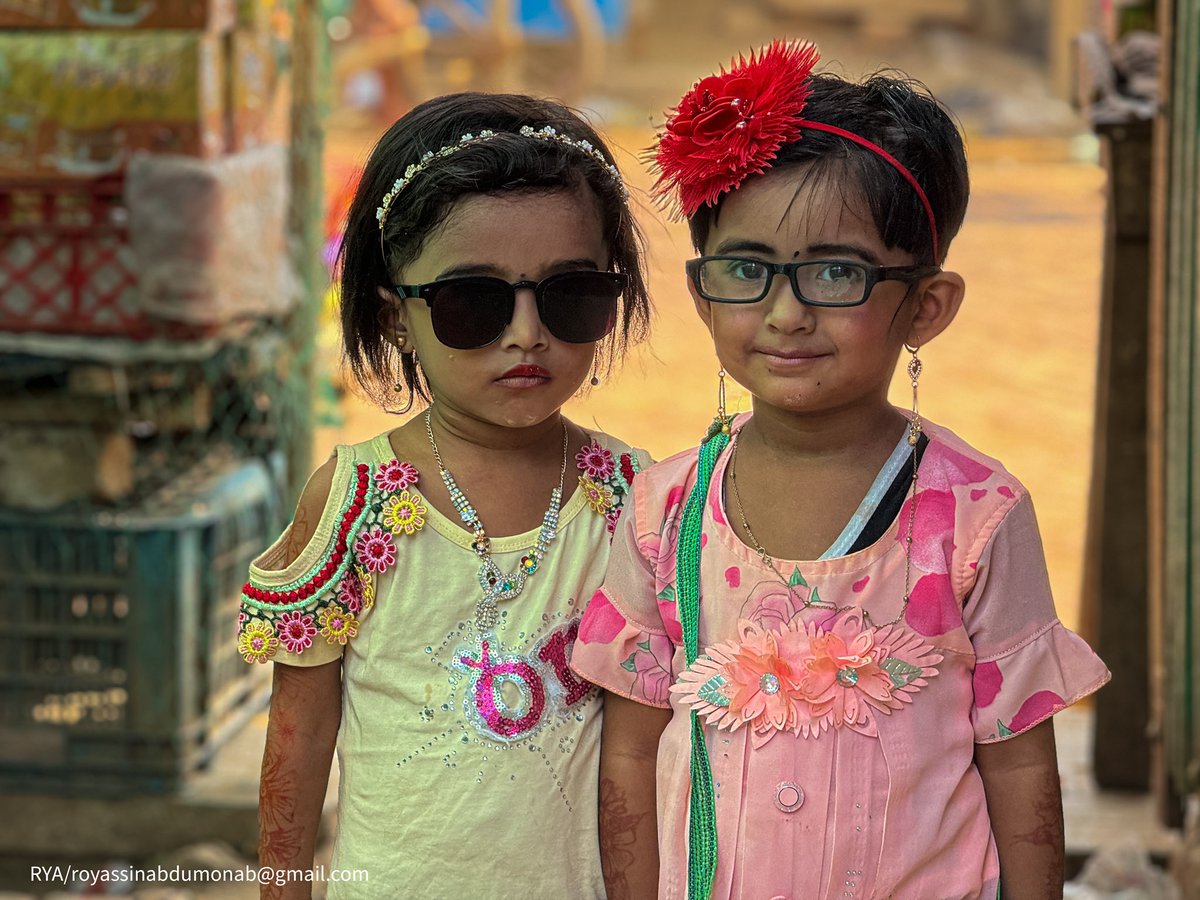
x: 147, y: 388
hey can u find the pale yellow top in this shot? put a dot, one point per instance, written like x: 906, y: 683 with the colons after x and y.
x: 460, y: 776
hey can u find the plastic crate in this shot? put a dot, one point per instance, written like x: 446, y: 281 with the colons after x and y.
x: 119, y: 669
x: 65, y: 262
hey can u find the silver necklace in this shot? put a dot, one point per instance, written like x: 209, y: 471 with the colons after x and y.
x: 914, y: 431
x: 496, y: 584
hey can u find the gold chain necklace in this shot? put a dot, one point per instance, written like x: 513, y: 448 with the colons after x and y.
x: 495, y: 583
x: 914, y: 431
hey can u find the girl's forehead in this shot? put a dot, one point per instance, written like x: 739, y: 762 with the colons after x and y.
x: 796, y: 206
x: 521, y: 231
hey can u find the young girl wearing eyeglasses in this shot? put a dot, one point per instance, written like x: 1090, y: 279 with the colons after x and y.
x: 422, y: 607
x: 827, y: 636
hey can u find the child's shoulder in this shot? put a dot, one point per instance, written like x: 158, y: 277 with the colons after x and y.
x: 950, y: 461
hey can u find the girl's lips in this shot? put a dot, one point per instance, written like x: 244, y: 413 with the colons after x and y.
x: 790, y: 357
x: 524, y: 377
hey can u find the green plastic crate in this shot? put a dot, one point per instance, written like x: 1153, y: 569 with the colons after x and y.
x: 119, y: 668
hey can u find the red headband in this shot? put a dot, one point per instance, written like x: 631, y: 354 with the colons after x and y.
x: 731, y: 126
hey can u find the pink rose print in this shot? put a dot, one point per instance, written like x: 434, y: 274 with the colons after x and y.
x: 772, y: 605
x: 601, y: 621
x: 932, y: 530
x: 296, y: 631
x: 987, y: 682
x: 650, y: 664
x: 596, y: 461
x: 733, y: 576
x: 932, y: 607
x: 375, y: 550
x: 659, y: 551
x: 394, y: 476
x: 669, y: 613
x: 1038, y: 707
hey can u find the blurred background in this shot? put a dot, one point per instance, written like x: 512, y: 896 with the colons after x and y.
x: 173, y: 179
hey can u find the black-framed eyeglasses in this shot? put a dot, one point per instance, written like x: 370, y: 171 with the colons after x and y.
x: 817, y: 282
x: 472, y: 311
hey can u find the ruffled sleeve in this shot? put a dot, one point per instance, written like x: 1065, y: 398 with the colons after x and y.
x: 624, y: 642
x: 1028, y: 666
x: 304, y: 613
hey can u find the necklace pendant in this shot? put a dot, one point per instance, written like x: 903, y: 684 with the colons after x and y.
x: 486, y: 614
x: 498, y: 585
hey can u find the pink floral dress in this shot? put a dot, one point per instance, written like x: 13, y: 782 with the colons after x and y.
x: 840, y: 724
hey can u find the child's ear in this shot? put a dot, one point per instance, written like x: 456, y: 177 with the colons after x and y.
x: 703, y: 307
x: 393, y: 318
x: 938, y: 300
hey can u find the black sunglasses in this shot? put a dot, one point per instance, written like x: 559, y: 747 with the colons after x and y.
x: 471, y: 312
x: 816, y: 282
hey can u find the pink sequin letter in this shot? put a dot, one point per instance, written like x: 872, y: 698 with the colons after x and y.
x: 484, y: 687
x: 554, y: 653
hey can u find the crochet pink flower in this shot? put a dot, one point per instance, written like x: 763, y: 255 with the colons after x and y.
x: 296, y: 631
x: 394, y: 475
x: 375, y: 550
x: 596, y: 461
x: 350, y: 592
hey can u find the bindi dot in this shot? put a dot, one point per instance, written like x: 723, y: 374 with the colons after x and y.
x: 796, y: 255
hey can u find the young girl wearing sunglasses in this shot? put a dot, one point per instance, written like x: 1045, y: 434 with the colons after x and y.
x: 422, y: 607
x: 832, y: 623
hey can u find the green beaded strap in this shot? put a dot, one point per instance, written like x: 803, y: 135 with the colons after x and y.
x: 702, y: 812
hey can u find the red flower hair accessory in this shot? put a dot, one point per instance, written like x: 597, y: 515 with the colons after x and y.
x: 731, y: 125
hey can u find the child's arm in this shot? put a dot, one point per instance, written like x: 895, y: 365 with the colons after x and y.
x: 306, y: 709
x: 1024, y: 798
x: 628, y: 812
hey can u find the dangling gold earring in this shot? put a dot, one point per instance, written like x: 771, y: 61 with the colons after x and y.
x: 914, y: 374
x: 723, y: 420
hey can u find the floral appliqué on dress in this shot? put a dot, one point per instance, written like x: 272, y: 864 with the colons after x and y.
x: 808, y: 677
x: 606, y: 481
x: 379, y: 508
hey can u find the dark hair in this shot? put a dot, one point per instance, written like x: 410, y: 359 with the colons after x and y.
x: 901, y: 116
x: 498, y: 165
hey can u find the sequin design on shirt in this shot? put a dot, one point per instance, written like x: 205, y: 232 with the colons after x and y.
x: 378, y: 509
x: 808, y: 676
x: 506, y: 699
x: 606, y: 480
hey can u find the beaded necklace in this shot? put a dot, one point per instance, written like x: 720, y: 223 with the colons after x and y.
x: 496, y: 584
x: 914, y: 432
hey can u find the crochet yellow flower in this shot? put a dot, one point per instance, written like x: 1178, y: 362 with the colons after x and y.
x: 337, y: 624
x: 405, y: 512
x: 257, y: 641
x: 368, y: 586
x: 598, y: 496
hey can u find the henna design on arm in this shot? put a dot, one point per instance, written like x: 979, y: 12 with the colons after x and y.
x: 1046, y: 836
x: 618, y: 834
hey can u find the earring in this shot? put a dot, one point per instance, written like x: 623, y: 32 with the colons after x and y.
x: 721, y: 423
x: 595, y: 381
x: 401, y: 343
x: 914, y: 374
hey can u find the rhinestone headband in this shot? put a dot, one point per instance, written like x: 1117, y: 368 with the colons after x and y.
x: 546, y: 133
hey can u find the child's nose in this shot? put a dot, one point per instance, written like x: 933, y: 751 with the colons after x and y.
x: 785, y: 311
x: 525, y: 331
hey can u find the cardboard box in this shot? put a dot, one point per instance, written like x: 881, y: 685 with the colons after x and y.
x: 210, y: 15
x: 79, y: 103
